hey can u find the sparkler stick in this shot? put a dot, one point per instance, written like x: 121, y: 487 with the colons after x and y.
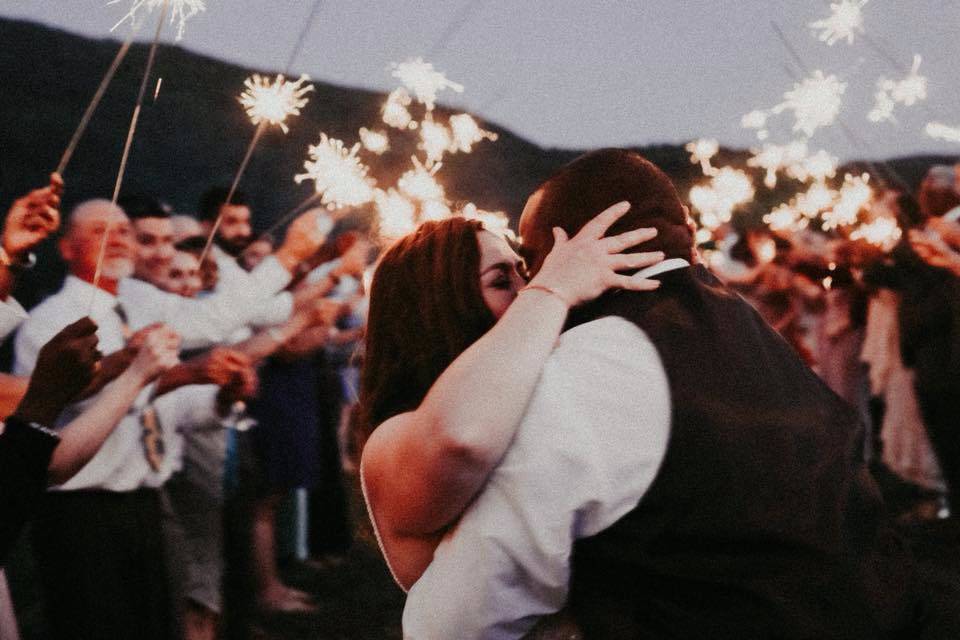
x: 266, y: 103
x: 94, y: 103
x: 126, y: 147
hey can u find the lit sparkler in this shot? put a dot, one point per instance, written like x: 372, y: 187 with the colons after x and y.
x: 273, y: 103
x: 819, y: 197
x: 466, y: 132
x: 702, y: 151
x: 728, y: 189
x: 757, y: 120
x: 434, y: 210
x: 882, y: 232
x: 494, y: 221
x: 435, y: 140
x: 815, y: 102
x: 820, y: 166
x: 854, y: 194
x: 338, y: 174
x: 844, y: 22
x: 180, y: 11
x: 395, y: 214
x: 943, y: 132
x: 423, y: 80
x: 420, y: 183
x: 396, y: 112
x: 785, y: 218
x: 908, y: 92
x: 374, y: 141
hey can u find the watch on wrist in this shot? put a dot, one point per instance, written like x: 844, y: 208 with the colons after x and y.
x: 24, y: 262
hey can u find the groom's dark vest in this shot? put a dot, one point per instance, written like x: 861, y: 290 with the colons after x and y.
x: 763, y: 521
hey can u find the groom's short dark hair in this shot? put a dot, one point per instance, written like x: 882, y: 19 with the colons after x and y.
x: 594, y: 181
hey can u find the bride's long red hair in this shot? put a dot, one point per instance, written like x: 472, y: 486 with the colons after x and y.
x: 426, y: 308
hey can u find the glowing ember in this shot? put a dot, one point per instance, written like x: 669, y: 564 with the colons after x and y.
x: 766, y: 251
x: 423, y: 80
x: 775, y: 158
x: 419, y: 183
x: 702, y: 151
x: 274, y: 103
x: 943, y: 132
x: 845, y: 20
x: 435, y: 140
x: 180, y: 11
x: 396, y: 112
x: 882, y: 232
x: 374, y: 141
x: 466, y: 133
x: 815, y: 102
x: 338, y: 174
x: 395, y: 214
x: 734, y: 186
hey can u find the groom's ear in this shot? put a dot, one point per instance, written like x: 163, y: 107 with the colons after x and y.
x: 536, y: 236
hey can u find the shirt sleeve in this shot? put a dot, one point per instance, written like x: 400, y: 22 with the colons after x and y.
x: 588, y: 448
x: 11, y: 315
x: 212, y: 319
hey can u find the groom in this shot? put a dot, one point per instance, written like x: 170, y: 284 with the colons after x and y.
x: 679, y: 472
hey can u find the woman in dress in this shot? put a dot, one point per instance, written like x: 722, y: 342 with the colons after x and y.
x: 455, y: 344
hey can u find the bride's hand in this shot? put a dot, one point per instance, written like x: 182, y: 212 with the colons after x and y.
x: 581, y: 268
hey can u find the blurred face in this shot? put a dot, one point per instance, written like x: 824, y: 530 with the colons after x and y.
x: 235, y: 228
x: 80, y: 247
x: 183, y: 275
x: 255, y: 253
x: 155, y: 250
x: 501, y: 273
x: 356, y: 259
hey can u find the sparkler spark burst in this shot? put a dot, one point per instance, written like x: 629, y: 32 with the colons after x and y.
x: 274, y: 103
x: 943, y: 132
x: 180, y: 11
x: 774, y: 158
x: 819, y: 166
x: 396, y: 112
x: 374, y: 141
x: 702, y: 151
x: 435, y: 140
x: 854, y: 194
x: 819, y: 197
x: 757, y: 119
x: 395, y: 214
x: 785, y: 218
x: 423, y: 80
x: 908, y: 92
x: 882, y: 232
x: 420, y: 184
x: 466, y: 133
x: 728, y: 189
x: 434, y: 210
x: 815, y: 102
x: 494, y: 221
x: 338, y: 174
x: 845, y: 20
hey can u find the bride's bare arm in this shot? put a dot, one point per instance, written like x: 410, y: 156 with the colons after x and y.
x: 422, y: 468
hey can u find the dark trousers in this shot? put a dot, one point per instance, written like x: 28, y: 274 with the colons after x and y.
x: 99, y: 557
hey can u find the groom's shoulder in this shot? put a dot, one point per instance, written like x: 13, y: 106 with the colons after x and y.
x: 610, y: 341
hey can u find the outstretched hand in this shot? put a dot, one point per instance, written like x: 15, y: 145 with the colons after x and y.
x: 65, y: 366
x: 581, y: 268
x: 33, y: 218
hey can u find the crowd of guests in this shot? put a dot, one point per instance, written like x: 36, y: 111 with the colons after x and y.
x: 163, y: 390
x: 880, y: 324
x: 168, y: 398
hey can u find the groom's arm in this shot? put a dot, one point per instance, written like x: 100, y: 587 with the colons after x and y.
x: 589, y: 445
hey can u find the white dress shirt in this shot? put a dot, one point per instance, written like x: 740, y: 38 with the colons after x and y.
x: 234, y: 277
x: 11, y: 315
x: 120, y: 463
x: 211, y: 319
x: 589, y: 446
x: 188, y: 408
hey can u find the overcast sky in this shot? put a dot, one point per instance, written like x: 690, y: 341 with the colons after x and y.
x: 575, y: 73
